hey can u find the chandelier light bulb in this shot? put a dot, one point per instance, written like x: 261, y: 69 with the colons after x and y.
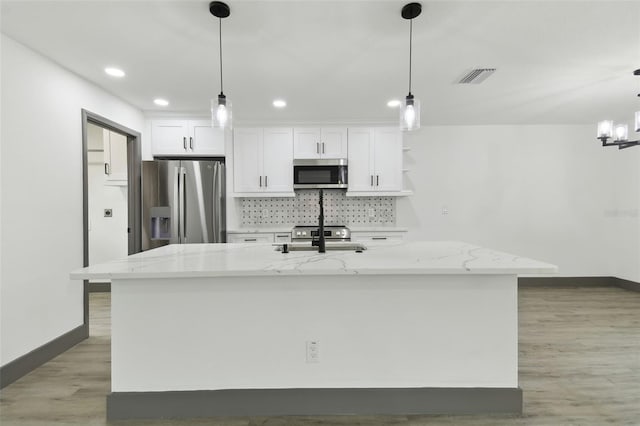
x: 605, y: 129
x: 622, y: 132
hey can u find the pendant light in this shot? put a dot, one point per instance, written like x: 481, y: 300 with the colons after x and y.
x: 220, y: 107
x: 410, y: 108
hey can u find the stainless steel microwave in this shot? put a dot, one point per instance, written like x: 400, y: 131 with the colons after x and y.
x: 320, y: 173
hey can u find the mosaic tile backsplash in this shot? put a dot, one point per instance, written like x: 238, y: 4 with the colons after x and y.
x: 303, y: 209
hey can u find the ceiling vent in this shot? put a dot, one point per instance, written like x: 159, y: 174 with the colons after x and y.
x: 476, y: 76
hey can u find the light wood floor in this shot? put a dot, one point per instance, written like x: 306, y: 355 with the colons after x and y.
x: 579, y: 365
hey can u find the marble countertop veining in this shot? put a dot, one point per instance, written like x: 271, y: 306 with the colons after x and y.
x: 250, y: 259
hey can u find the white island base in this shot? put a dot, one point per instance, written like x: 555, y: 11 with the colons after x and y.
x: 422, y: 338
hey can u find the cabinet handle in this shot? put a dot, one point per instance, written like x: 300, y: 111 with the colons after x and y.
x: 250, y: 239
x: 377, y: 180
x: 317, y: 148
x: 371, y: 180
x: 184, y: 143
x: 378, y: 238
x: 323, y: 147
x: 266, y: 181
x: 191, y: 143
x: 260, y: 181
x: 106, y: 168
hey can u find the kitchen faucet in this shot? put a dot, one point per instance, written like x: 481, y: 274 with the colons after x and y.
x: 320, y: 242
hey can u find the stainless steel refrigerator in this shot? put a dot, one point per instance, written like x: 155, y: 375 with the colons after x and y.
x: 183, y: 201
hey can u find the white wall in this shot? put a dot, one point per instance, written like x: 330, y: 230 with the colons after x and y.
x: 547, y: 192
x: 41, y: 218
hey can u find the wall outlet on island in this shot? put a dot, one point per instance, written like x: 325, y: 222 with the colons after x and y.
x: 372, y: 212
x: 265, y: 213
x: 313, y: 351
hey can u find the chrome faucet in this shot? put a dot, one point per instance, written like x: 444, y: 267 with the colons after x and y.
x: 320, y: 242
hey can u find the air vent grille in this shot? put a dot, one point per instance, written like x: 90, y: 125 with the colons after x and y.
x: 476, y: 76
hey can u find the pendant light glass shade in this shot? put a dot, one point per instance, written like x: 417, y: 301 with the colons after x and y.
x: 221, y: 112
x: 621, y: 132
x: 410, y: 114
x: 605, y: 129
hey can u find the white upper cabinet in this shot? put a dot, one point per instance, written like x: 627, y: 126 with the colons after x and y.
x: 115, y: 157
x: 315, y: 142
x: 263, y: 160
x: 186, y: 138
x: 375, y: 159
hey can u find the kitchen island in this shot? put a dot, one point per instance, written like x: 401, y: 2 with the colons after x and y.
x: 243, y: 329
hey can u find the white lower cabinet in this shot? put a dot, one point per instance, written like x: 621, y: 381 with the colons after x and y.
x: 375, y: 159
x: 259, y: 237
x: 377, y: 236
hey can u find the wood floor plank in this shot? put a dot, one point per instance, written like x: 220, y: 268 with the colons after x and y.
x: 579, y: 365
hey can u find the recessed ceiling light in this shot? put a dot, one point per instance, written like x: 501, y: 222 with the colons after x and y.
x: 394, y: 103
x: 161, y: 102
x: 114, y: 72
x: 279, y: 103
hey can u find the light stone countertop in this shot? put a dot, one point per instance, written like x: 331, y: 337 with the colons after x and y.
x: 250, y: 259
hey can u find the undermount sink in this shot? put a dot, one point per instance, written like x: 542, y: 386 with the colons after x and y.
x: 329, y: 245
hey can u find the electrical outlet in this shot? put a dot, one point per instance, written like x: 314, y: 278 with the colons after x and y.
x: 313, y: 351
x: 372, y: 212
x: 445, y: 210
x: 265, y: 213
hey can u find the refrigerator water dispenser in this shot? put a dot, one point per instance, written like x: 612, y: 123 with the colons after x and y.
x: 160, y: 223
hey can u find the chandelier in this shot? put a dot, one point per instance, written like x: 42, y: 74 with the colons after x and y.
x: 618, y: 132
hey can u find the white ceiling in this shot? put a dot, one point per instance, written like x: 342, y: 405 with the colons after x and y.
x: 557, y: 62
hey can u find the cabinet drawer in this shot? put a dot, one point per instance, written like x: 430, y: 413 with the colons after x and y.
x: 282, y: 237
x: 250, y: 237
x: 390, y: 236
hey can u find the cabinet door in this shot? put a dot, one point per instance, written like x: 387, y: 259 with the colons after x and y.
x: 306, y: 142
x: 247, y: 160
x: 169, y: 137
x: 361, y: 176
x: 387, y: 159
x: 204, y: 139
x: 277, y: 163
x: 333, y: 142
x: 115, y: 153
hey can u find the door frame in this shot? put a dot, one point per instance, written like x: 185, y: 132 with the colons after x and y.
x: 134, y: 190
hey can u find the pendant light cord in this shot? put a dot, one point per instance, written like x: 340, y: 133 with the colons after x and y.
x: 220, y: 38
x: 410, y: 50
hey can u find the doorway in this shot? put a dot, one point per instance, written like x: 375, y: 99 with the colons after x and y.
x: 111, y: 195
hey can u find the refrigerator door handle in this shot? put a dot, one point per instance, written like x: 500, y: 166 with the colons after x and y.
x: 183, y: 216
x: 175, y: 225
x: 218, y: 208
